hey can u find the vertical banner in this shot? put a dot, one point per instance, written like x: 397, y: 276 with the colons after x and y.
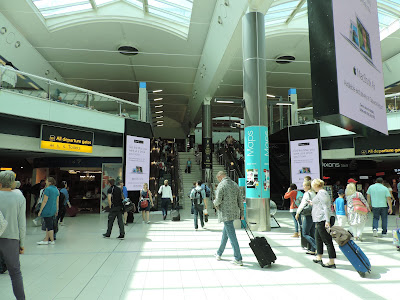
x: 257, y: 162
x: 109, y: 171
x: 207, y: 153
x: 137, y: 162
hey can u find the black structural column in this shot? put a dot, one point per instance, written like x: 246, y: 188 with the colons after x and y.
x: 207, y: 141
x: 256, y: 121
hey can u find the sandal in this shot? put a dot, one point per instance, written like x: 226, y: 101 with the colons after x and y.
x: 317, y: 261
x: 310, y: 252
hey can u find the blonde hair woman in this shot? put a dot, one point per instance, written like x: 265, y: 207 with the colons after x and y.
x: 323, y: 219
x: 145, y: 195
x: 356, y: 221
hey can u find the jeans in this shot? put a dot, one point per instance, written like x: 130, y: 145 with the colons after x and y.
x: 115, y: 212
x: 189, y: 169
x: 198, y: 210
x: 296, y: 225
x: 309, y: 232
x: 164, y: 205
x: 229, y: 232
x: 10, y: 251
x: 322, y: 236
x: 383, y: 213
x: 61, y: 213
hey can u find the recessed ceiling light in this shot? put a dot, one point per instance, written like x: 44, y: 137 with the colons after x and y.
x: 158, y: 99
x: 160, y: 121
x: 157, y: 106
x: 159, y: 117
x: 283, y: 103
x: 128, y: 50
x: 224, y: 101
x: 271, y: 96
x: 157, y: 91
x: 159, y: 112
x: 160, y: 125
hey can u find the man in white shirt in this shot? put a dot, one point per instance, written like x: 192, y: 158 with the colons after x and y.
x: 166, y: 196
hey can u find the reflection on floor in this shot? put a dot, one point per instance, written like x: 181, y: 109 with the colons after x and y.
x: 170, y: 260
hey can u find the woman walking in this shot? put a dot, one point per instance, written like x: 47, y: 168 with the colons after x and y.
x: 356, y: 220
x: 292, y: 195
x: 323, y: 219
x: 146, y: 200
x: 13, y: 207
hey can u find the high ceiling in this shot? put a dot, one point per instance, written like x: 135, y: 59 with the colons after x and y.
x: 80, y: 39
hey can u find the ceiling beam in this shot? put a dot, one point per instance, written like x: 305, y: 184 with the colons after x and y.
x: 93, y: 4
x: 295, y: 11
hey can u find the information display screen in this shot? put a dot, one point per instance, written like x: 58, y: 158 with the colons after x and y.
x: 359, y: 63
x: 137, y: 162
x: 304, y: 160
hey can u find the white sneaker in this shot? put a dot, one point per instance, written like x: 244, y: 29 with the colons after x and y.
x: 43, y: 243
x: 375, y: 233
x: 35, y: 222
x: 218, y: 257
x: 52, y: 243
x: 148, y: 222
x: 237, y: 262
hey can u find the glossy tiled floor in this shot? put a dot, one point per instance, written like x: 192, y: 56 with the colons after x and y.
x: 169, y: 260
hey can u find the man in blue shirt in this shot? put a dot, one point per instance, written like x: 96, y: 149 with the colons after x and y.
x: 378, y: 197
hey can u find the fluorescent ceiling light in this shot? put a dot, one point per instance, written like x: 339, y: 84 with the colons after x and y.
x: 159, y: 112
x: 160, y: 122
x: 224, y: 101
x: 282, y: 103
x: 160, y: 125
x: 157, y: 106
x: 158, y: 99
x: 271, y: 96
x: 157, y: 91
x: 158, y: 117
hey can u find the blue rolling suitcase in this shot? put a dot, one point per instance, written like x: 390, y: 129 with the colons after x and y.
x: 356, y: 257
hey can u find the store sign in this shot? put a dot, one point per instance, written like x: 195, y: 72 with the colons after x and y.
x: 257, y: 162
x: 65, y: 139
x: 335, y: 165
x: 380, y: 145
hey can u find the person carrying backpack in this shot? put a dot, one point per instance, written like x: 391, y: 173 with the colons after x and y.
x: 197, y: 195
x: 295, y: 197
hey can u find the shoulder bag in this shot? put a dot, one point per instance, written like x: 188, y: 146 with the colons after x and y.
x: 307, y: 209
x: 3, y: 224
x: 358, y: 206
x: 144, y: 202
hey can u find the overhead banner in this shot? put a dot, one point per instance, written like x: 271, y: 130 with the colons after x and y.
x: 346, y: 65
x: 257, y: 162
x: 137, y: 162
x: 381, y: 145
x: 304, y: 160
x: 65, y: 139
x: 207, y: 153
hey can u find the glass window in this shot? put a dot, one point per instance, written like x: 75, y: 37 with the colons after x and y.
x: 50, y: 8
x: 101, y: 2
x: 175, y: 10
x: 137, y: 3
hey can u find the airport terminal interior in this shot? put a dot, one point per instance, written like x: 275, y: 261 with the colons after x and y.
x: 148, y: 91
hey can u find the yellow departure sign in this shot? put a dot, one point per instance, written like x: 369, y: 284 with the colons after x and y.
x: 65, y: 139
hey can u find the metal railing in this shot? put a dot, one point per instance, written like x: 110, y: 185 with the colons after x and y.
x: 35, y: 86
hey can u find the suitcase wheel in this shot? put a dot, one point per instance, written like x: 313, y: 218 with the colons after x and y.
x: 362, y: 274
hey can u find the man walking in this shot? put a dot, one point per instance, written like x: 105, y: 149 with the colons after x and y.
x: 116, y: 210
x: 378, y: 197
x: 229, y: 205
x: 166, y: 196
x: 198, y: 195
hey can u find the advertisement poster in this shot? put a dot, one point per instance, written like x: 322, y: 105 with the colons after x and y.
x: 137, y: 162
x: 109, y: 171
x: 257, y: 162
x: 359, y: 63
x: 304, y: 160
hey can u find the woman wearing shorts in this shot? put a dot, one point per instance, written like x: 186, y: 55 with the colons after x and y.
x: 48, y: 210
x: 145, y: 196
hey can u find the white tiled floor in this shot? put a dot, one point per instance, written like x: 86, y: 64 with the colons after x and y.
x: 170, y: 260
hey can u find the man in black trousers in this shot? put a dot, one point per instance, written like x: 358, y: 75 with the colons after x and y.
x: 116, y: 210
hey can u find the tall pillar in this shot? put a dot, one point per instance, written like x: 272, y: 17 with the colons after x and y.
x: 256, y: 122
x: 145, y: 112
x: 207, y: 141
x: 293, y: 108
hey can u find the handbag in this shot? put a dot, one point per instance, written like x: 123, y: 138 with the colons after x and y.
x: 3, y: 224
x: 144, y: 203
x: 307, y: 209
x: 358, y: 206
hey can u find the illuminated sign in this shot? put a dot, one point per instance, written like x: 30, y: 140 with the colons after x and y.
x: 379, y: 145
x: 65, y: 139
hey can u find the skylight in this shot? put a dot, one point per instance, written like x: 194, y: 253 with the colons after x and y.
x: 177, y: 11
x: 281, y: 13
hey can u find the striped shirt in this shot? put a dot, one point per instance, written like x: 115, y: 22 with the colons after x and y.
x: 321, y: 207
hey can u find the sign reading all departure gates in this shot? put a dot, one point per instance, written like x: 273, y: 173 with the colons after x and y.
x: 65, y: 139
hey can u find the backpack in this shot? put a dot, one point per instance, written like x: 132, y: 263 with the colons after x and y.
x: 207, y: 190
x: 197, y: 196
x: 299, y: 196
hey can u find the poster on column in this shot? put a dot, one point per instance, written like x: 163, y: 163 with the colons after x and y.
x: 304, y: 160
x: 109, y: 171
x: 257, y: 162
x: 359, y: 63
x: 137, y: 162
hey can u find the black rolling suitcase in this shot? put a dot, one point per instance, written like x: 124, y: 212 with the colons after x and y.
x: 261, y: 249
x: 175, y: 215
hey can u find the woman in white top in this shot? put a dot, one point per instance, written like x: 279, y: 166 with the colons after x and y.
x: 356, y: 221
x: 308, y: 229
x: 323, y: 218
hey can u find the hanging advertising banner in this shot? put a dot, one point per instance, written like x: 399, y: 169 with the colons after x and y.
x: 257, y: 162
x: 207, y: 153
x: 137, y: 162
x: 304, y: 160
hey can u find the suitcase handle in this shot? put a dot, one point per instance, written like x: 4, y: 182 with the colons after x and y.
x: 245, y: 228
